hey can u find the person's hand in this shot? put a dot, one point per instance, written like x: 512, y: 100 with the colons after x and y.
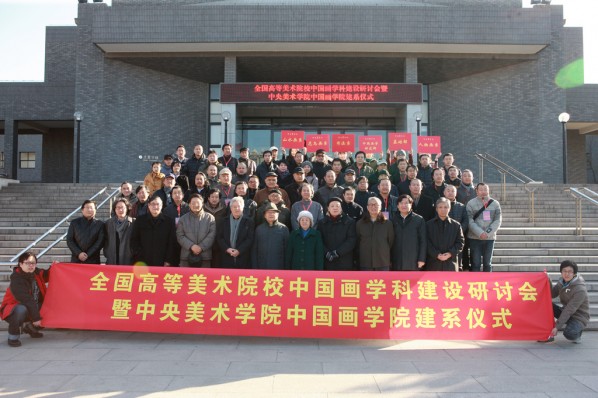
x: 483, y: 235
x: 554, y: 332
x: 82, y: 256
x: 196, y: 249
x: 37, y: 324
x: 420, y: 264
x: 235, y: 253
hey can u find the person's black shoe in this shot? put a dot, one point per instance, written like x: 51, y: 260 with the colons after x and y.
x: 32, y: 331
x: 14, y: 343
x: 548, y: 340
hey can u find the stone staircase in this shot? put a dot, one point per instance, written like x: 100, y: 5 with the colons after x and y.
x: 28, y: 210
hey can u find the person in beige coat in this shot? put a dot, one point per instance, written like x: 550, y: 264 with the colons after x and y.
x: 196, y: 232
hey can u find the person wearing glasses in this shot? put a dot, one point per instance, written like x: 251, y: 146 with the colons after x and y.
x: 574, y: 314
x: 24, y: 298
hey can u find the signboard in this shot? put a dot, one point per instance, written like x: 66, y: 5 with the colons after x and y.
x: 370, y: 143
x: 292, y: 139
x: 428, y: 144
x: 399, y: 141
x: 343, y: 142
x: 288, y: 92
x: 313, y: 142
x: 308, y: 304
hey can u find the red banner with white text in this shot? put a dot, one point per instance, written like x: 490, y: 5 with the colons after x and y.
x: 311, y: 304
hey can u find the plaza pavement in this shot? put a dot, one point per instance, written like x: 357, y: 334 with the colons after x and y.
x: 120, y: 364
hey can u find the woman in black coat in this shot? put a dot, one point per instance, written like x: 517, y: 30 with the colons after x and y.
x: 409, y: 247
x: 339, y: 236
x: 236, y: 254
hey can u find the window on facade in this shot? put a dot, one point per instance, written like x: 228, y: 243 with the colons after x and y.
x: 27, y: 160
x: 1, y: 160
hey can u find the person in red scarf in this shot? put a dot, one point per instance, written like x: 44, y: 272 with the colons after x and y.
x: 24, y: 298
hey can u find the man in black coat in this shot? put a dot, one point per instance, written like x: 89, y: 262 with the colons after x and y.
x: 445, y: 239
x: 85, y: 237
x: 422, y: 205
x: 339, y: 237
x: 153, y: 238
x: 235, y: 236
x: 409, y: 247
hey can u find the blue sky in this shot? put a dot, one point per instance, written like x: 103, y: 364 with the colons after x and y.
x: 23, y: 22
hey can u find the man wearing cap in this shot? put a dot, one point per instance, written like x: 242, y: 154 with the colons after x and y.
x: 349, y: 178
x: 360, y: 167
x: 227, y: 159
x: 166, y: 167
x: 271, y: 180
x: 375, y: 176
x: 225, y: 185
x: 164, y: 192
x: 270, y: 241
x: 274, y: 152
x: 294, y: 189
x: 267, y: 166
x: 274, y: 197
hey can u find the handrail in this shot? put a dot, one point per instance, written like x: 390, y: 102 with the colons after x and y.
x: 13, y: 260
x: 578, y: 196
x: 504, y: 169
x: 63, y: 236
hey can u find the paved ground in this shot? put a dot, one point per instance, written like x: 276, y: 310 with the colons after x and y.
x: 112, y: 364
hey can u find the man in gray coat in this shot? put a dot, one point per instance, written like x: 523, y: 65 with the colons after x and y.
x: 485, y: 217
x: 270, y: 241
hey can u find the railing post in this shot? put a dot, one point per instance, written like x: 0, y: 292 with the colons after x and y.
x: 532, y: 205
x: 504, y: 187
x: 578, y: 218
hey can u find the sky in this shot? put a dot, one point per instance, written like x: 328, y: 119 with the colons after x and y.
x: 23, y: 22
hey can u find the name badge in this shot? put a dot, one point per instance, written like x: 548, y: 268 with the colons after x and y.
x: 226, y: 201
x: 486, y: 215
x: 386, y: 215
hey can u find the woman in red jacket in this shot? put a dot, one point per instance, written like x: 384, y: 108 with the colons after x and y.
x: 24, y: 298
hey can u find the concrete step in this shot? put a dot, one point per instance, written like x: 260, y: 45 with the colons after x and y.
x: 502, y: 252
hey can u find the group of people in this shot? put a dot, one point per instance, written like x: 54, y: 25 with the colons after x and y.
x: 342, y: 213
x: 298, y: 212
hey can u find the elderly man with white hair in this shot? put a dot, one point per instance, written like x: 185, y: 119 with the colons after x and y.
x: 235, y: 236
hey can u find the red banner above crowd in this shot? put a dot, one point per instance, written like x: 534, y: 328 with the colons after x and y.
x: 370, y: 143
x: 399, y: 141
x: 343, y: 142
x: 428, y: 144
x: 395, y: 93
x: 292, y: 139
x: 311, y: 304
x: 313, y: 142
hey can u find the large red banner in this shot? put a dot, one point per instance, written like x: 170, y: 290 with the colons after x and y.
x: 428, y: 144
x: 399, y: 141
x: 292, y: 139
x: 313, y: 142
x: 293, y: 92
x: 370, y: 143
x: 343, y: 142
x: 312, y: 304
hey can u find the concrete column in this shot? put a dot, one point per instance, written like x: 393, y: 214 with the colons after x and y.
x: 230, y: 76
x: 411, y: 109
x: 11, y: 147
x: 411, y: 70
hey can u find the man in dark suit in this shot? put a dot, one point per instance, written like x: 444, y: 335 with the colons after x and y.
x: 235, y: 236
x: 422, y: 205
